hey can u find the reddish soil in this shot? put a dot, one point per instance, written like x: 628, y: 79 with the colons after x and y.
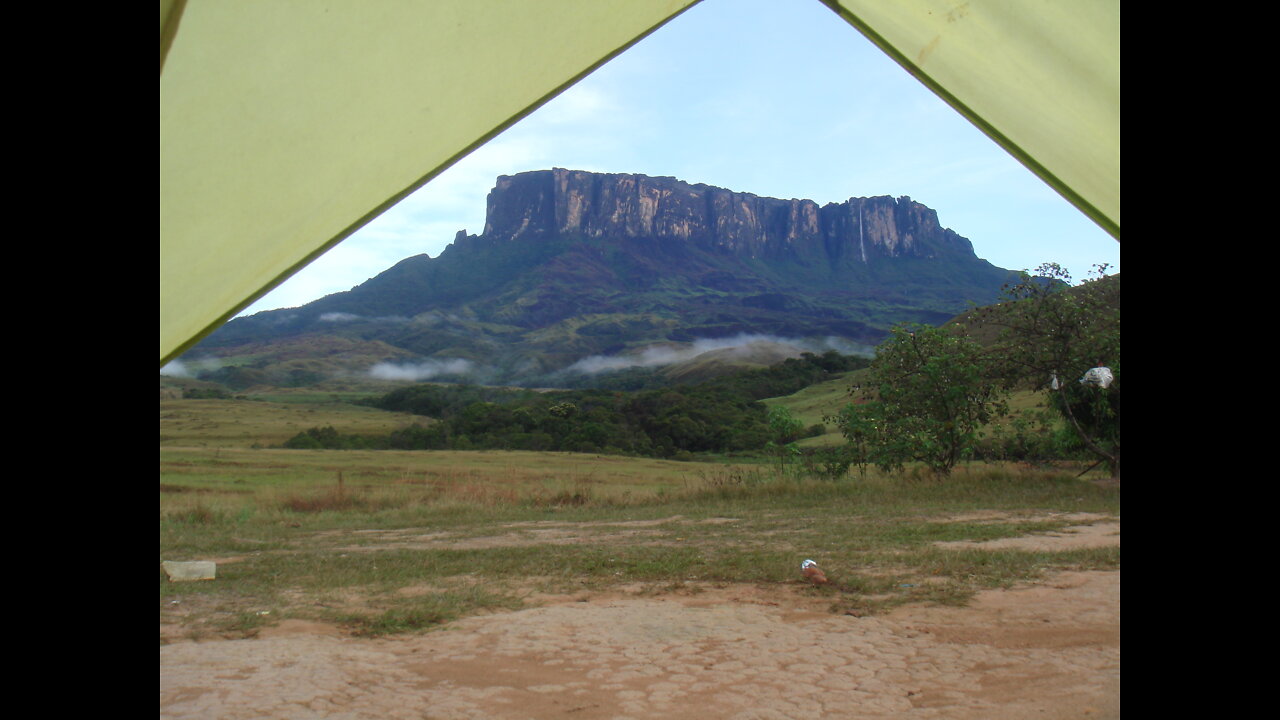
x: 1048, y: 650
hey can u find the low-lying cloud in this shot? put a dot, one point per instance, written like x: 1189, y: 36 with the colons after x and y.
x: 190, y: 367
x: 341, y: 317
x: 175, y: 368
x: 660, y: 355
x: 419, y: 371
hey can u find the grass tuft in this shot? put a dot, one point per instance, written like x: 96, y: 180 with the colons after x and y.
x: 329, y: 500
x: 424, y: 613
x: 198, y: 514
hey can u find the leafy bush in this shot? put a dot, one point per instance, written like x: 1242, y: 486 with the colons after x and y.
x: 1029, y: 437
x: 327, y: 438
x: 930, y: 395
x: 1053, y: 334
x: 205, y: 394
x: 828, y: 463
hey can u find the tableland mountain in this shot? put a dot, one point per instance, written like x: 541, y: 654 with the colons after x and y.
x: 580, y: 271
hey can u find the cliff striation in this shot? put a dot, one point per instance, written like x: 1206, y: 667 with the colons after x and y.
x: 596, y: 205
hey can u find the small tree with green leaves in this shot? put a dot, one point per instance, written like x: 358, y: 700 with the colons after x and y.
x: 929, y: 395
x: 784, y: 430
x: 860, y: 425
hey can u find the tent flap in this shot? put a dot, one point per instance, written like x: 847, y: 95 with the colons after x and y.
x: 1040, y: 78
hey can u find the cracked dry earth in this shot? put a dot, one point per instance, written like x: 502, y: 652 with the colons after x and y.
x: 1047, y: 650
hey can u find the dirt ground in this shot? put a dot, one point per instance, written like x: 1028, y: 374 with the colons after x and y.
x: 1049, y: 650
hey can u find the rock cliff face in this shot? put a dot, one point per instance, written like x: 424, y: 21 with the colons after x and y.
x: 594, y: 205
x: 573, y: 265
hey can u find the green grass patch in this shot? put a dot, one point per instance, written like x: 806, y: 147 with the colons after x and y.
x: 411, y: 540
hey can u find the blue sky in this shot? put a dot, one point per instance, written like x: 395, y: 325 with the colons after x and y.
x: 779, y: 98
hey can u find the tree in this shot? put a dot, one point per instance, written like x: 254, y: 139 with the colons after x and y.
x: 784, y: 431
x: 930, y: 394
x: 783, y: 426
x: 1052, y: 335
x: 860, y: 425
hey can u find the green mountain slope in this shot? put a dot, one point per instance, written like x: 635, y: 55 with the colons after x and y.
x: 577, y: 267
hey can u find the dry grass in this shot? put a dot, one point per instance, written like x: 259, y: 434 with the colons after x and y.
x: 249, y: 423
x: 231, y: 481
x: 345, y: 536
x: 289, y: 538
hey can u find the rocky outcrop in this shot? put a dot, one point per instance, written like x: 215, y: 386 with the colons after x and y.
x: 596, y: 205
x: 573, y: 265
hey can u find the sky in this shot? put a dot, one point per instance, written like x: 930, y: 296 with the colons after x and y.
x: 778, y: 98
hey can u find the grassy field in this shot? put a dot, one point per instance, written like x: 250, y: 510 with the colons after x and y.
x: 388, y: 541
x: 265, y: 423
x: 816, y: 402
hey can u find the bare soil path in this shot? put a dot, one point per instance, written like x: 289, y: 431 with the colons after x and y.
x: 1049, y: 650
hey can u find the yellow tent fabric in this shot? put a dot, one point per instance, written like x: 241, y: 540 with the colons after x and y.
x: 1040, y: 77
x: 285, y: 125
